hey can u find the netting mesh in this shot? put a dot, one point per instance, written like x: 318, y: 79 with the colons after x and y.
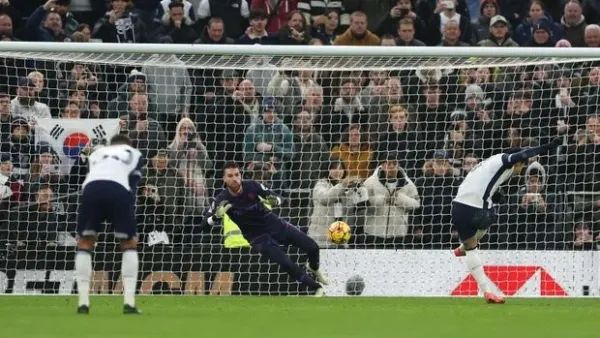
x: 313, y: 129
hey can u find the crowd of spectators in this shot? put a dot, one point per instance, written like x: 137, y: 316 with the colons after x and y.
x: 383, y: 150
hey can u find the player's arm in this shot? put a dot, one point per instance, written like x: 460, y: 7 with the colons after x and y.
x: 216, y: 211
x: 512, y: 159
x: 267, y: 195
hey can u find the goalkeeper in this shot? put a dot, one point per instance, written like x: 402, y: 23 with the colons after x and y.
x: 472, y: 212
x: 244, y: 202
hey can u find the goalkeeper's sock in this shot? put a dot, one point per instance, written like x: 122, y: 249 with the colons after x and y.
x: 129, y: 270
x: 83, y: 270
x: 476, y: 268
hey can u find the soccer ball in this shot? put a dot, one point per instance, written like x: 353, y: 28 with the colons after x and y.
x: 339, y: 233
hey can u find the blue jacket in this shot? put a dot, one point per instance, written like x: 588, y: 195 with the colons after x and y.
x: 523, y: 34
x: 37, y: 32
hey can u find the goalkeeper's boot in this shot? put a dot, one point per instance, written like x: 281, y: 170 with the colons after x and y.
x: 131, y: 310
x: 491, y: 298
x: 320, y: 292
x: 319, y: 276
x: 459, y: 252
x: 83, y: 310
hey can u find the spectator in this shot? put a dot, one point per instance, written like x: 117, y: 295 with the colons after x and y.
x: 392, y: 198
x: 330, y: 200
x: 469, y: 162
x: 136, y: 84
x: 316, y: 13
x: 45, y: 24
x: 287, y: 89
x: 163, y: 13
x: 488, y: 9
x: 591, y: 92
x: 357, y: 34
x: 189, y: 156
x: 388, y: 40
x: 400, y: 136
x: 499, y: 34
x: 170, y: 89
x: 5, y: 117
x: 313, y: 101
x: 542, y: 34
x: 356, y: 152
x: 592, y: 36
x: 451, y: 35
x: 214, y: 33
x: 161, y: 197
x: 19, y: 146
x: 120, y: 24
x: 347, y: 110
x: 524, y: 32
x: 246, y: 95
x: 9, y: 197
x: 145, y: 132
x: 6, y: 27
x: 269, y: 140
x: 45, y: 170
x: 431, y: 115
x: 278, y: 12
x: 85, y: 30
x: 69, y: 23
x: 175, y: 26
x: 310, y: 152
x: 438, y: 23
x: 573, y: 23
x: 235, y: 15
x: 71, y: 111
x: 403, y: 11
x: 25, y: 104
x: 296, y: 32
x: 406, y: 34
x: 257, y: 33
x: 327, y: 32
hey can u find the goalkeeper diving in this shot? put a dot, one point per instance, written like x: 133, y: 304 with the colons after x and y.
x: 244, y: 202
x: 472, y: 209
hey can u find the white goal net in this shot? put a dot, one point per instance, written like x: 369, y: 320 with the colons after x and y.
x: 300, y: 122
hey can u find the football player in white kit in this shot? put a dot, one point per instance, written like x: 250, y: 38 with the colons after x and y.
x: 472, y: 212
x: 109, y: 194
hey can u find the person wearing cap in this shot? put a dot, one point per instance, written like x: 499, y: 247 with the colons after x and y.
x: 120, y: 24
x: 392, y: 198
x: 537, y: 11
x: 257, y: 32
x: 268, y: 139
x: 45, y: 24
x: 25, y: 104
x: 499, y: 34
x: 136, y: 84
x: 542, y: 34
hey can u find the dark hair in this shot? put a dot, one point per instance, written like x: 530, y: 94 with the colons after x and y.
x: 176, y: 3
x: 229, y: 165
x: 333, y: 163
x: 537, y: 2
x: 3, y: 94
x: 120, y: 139
x: 258, y: 14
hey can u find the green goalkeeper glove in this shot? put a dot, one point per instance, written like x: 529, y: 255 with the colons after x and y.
x: 222, y: 209
x: 271, y: 201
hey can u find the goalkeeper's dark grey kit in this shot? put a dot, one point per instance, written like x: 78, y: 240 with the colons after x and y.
x: 264, y: 230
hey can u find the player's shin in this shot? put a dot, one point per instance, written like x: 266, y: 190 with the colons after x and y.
x: 129, y: 271
x: 83, y: 270
x: 476, y: 267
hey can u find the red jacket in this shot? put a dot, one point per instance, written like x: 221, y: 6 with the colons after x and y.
x: 279, y: 20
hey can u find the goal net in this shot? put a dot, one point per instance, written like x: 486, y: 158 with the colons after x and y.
x: 303, y: 122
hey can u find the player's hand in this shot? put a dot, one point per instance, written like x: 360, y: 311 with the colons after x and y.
x: 123, y: 125
x: 273, y: 201
x: 141, y: 126
x: 177, y: 24
x: 222, y: 209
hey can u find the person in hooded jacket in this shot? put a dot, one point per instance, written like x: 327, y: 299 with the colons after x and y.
x: 120, y: 25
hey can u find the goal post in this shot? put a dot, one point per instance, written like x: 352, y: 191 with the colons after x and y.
x: 300, y: 119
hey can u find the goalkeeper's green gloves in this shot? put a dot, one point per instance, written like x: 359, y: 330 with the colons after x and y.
x: 222, y: 209
x: 270, y: 201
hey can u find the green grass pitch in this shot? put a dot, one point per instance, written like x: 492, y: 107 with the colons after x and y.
x: 291, y: 317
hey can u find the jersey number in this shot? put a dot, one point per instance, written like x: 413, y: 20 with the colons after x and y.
x: 127, y: 161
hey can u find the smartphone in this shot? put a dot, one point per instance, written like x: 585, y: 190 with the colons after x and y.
x: 404, y: 11
x: 449, y: 4
x: 142, y: 116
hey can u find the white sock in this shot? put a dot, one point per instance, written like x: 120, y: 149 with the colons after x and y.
x: 476, y: 268
x: 129, y: 272
x: 83, y: 270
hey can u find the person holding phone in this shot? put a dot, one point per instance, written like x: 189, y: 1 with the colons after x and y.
x: 401, y: 11
x: 446, y: 10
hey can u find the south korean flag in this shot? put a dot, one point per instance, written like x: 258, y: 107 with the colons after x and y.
x: 70, y: 136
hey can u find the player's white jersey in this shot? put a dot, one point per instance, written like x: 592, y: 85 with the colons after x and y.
x: 114, y: 163
x: 482, y: 182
